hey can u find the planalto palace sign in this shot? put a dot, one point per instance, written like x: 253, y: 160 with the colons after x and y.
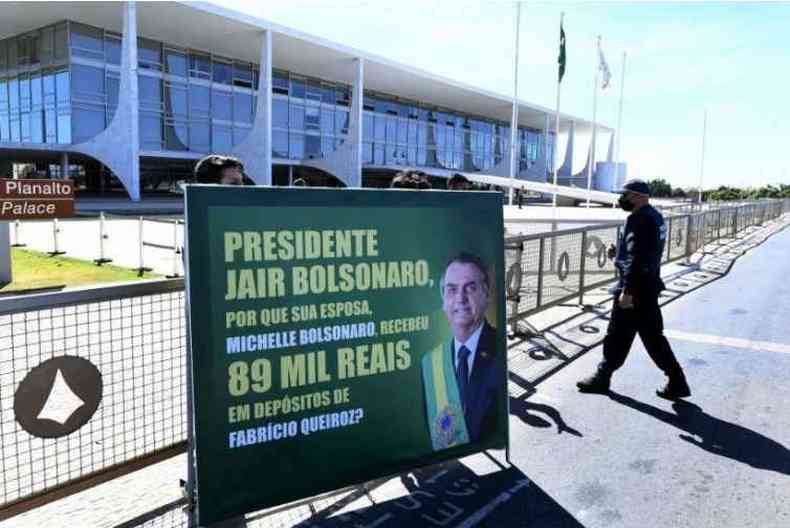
x: 36, y: 199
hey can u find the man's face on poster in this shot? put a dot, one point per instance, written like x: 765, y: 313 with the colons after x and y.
x: 464, y: 297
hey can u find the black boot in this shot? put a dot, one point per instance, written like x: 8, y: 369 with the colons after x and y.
x: 676, y: 388
x: 598, y: 383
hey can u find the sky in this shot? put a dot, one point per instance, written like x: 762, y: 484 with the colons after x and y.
x: 731, y: 59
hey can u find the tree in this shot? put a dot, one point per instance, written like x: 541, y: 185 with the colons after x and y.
x: 659, y: 188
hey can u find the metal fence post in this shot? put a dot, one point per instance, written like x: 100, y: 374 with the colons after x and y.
x: 141, y: 269
x: 541, y: 257
x: 583, y: 259
x: 514, y: 298
x: 668, y: 239
x: 176, y: 251
x: 734, y: 222
x: 55, y: 235
x: 17, y: 243
x: 102, y: 237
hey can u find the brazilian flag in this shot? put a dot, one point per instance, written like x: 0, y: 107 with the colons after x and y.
x: 561, y: 58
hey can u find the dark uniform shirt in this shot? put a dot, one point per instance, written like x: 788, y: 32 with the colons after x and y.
x: 639, y: 252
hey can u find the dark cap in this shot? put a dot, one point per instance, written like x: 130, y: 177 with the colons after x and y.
x: 637, y: 186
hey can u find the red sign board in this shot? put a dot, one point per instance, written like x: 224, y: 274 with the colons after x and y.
x: 36, y: 199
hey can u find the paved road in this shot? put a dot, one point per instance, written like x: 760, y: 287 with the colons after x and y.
x: 720, y: 460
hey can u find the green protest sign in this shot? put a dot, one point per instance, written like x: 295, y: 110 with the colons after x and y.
x: 339, y: 336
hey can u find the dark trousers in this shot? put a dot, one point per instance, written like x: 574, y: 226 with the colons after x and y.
x: 645, y: 319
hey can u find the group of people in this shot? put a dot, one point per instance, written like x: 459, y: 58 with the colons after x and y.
x: 227, y: 170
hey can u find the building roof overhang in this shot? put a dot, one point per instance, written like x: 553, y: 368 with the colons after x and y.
x: 209, y: 27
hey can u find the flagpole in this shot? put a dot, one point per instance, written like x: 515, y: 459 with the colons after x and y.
x: 619, y: 128
x: 592, y: 145
x: 514, y: 118
x: 702, y: 155
x: 556, y: 128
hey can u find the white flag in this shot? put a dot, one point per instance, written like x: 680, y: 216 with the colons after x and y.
x: 606, y: 75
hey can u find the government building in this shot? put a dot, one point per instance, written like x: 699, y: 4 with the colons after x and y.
x: 124, y: 97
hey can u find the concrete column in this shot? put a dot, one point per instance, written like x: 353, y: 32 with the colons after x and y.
x: 355, y: 124
x: 64, y: 165
x: 118, y: 146
x: 566, y: 170
x: 256, y: 149
x: 345, y: 162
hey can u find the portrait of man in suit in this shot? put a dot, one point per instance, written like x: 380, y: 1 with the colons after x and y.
x: 463, y: 378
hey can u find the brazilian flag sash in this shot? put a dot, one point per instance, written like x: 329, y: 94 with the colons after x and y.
x: 445, y: 412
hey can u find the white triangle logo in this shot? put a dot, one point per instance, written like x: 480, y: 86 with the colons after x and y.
x: 61, y: 402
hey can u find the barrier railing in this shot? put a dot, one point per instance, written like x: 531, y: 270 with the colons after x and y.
x: 553, y: 268
x: 135, y: 337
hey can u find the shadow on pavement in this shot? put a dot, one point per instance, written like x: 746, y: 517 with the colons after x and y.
x: 524, y: 410
x: 451, y: 494
x: 440, y: 496
x: 718, y: 436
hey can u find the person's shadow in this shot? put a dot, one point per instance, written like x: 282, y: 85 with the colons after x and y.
x: 521, y: 408
x: 718, y: 436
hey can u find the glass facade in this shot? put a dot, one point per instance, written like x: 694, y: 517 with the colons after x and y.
x: 35, y: 90
x: 397, y: 132
x: 60, y: 84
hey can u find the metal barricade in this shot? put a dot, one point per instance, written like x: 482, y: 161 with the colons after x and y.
x: 134, y: 335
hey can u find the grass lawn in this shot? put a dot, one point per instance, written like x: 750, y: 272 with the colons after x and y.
x: 31, y: 269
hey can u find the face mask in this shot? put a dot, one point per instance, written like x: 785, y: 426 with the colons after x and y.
x: 624, y: 204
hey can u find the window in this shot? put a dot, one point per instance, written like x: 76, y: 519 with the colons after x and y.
x: 87, y: 122
x: 112, y: 49
x: 199, y: 136
x: 3, y: 56
x: 327, y: 122
x: 279, y: 113
x: 175, y: 135
x: 64, y: 126
x: 113, y: 86
x: 199, y: 66
x: 223, y: 72
x: 150, y: 131
x: 150, y: 92
x: 176, y: 100
x: 149, y: 54
x: 87, y: 83
x: 61, y: 42
x: 221, y: 105
x: 242, y: 107
x: 5, y: 130
x: 367, y: 125
x: 279, y: 144
x: 87, y: 41
x: 176, y: 62
x: 327, y: 94
x: 312, y: 118
x: 63, y: 88
x: 280, y: 83
x: 296, y: 146
x: 221, y: 139
x: 296, y: 117
x: 199, y: 100
x: 242, y: 74
x: 312, y: 146
x: 297, y: 88
x: 313, y: 91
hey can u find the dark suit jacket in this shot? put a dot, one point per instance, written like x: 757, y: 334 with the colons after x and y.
x: 486, y: 385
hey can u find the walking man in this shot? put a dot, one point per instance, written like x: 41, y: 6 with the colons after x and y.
x: 636, y: 308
